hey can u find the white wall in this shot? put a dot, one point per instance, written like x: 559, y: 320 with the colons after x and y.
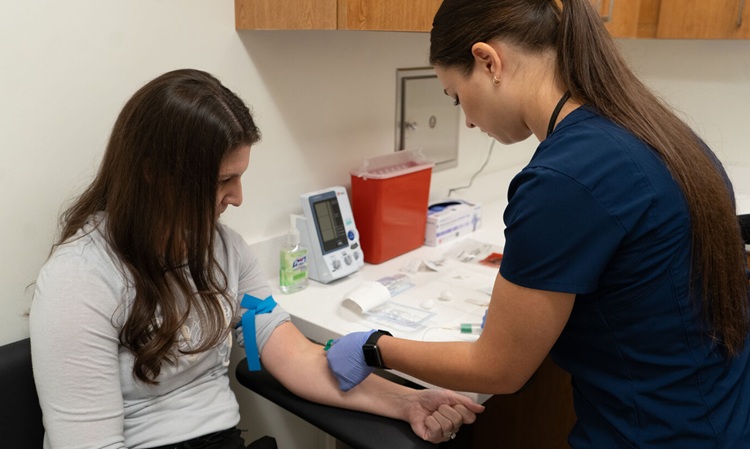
x: 324, y: 100
x: 708, y: 82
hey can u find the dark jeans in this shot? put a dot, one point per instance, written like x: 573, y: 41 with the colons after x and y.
x: 226, y: 439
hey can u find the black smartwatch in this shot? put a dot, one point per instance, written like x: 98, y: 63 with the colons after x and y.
x: 371, y: 350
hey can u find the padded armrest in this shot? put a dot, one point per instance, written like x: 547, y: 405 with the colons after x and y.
x: 357, y: 429
x: 20, y: 415
x: 745, y: 227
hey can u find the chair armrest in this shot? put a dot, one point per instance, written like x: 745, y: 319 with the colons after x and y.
x: 20, y: 414
x: 359, y: 430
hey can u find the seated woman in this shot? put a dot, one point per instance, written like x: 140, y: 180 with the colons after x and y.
x: 132, y: 318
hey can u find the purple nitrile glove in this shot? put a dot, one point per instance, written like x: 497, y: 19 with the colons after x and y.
x: 484, y: 319
x: 347, y: 361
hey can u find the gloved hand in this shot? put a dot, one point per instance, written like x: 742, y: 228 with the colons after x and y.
x: 347, y: 361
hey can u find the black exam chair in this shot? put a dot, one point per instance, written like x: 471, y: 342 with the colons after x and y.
x: 356, y: 429
x: 20, y: 416
x: 745, y: 227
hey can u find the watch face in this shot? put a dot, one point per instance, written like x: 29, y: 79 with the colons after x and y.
x: 372, y: 355
x: 371, y: 351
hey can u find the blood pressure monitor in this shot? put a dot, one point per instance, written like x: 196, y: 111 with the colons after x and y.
x: 326, y: 228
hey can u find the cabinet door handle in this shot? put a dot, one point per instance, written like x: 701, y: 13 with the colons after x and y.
x: 608, y: 17
x: 739, y: 13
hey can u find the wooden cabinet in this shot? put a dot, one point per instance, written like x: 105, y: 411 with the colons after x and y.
x: 384, y: 15
x: 539, y: 416
x: 285, y: 14
x: 670, y: 19
x: 387, y: 15
x: 702, y: 19
x: 694, y: 19
x: 621, y: 16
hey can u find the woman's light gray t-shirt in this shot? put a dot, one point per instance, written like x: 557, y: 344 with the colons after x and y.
x: 83, y: 374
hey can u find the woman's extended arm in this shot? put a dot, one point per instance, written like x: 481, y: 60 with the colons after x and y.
x: 432, y: 413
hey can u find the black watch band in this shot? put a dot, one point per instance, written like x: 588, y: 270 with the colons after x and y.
x: 372, y: 351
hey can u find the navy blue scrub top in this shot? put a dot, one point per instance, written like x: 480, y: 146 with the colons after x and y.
x: 597, y: 213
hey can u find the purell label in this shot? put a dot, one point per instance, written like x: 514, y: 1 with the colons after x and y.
x: 299, y: 262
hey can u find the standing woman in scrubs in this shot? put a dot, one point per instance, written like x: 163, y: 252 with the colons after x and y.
x: 623, y: 256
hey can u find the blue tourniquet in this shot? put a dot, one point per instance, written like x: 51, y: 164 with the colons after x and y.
x: 254, y: 307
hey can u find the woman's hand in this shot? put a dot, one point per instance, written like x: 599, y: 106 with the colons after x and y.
x: 436, y: 415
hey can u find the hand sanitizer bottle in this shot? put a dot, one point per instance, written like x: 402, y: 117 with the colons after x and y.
x: 293, y: 263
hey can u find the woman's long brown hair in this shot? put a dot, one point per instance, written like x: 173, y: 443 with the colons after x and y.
x: 591, y: 67
x: 157, y: 185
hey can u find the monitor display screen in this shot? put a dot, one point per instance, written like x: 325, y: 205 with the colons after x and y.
x: 329, y: 224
